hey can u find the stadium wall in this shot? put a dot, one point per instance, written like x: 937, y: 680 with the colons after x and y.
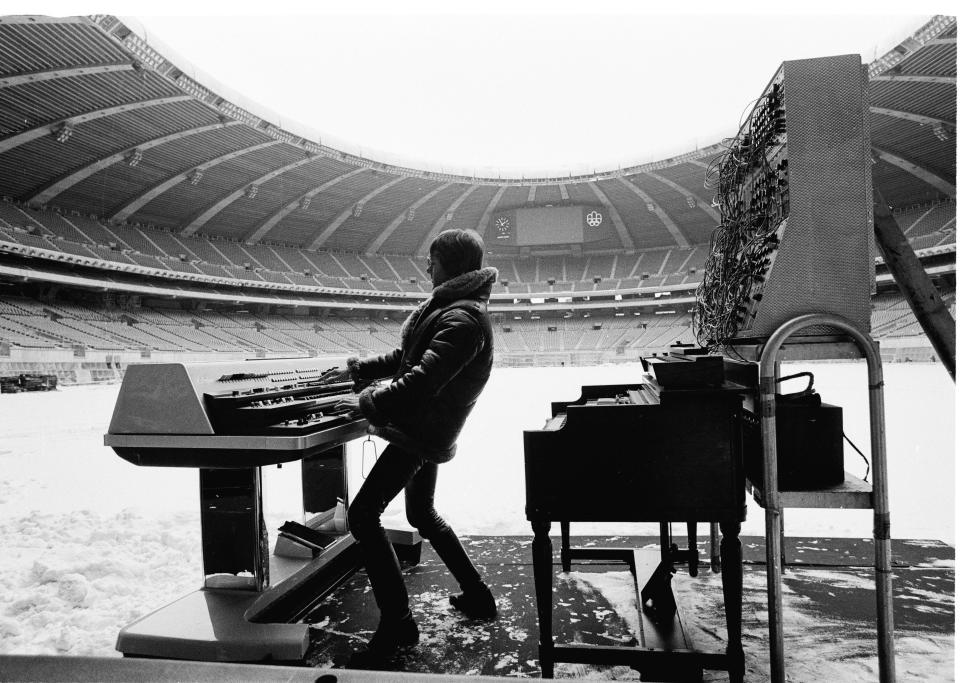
x: 100, y: 367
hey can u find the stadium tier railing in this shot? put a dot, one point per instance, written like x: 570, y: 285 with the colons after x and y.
x: 926, y: 226
x: 198, y: 256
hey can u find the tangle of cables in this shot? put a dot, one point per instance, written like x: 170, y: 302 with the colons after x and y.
x: 750, y: 183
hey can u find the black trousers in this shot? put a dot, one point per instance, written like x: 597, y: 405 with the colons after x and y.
x: 398, y: 469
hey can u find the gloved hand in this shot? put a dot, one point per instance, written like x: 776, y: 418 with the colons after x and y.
x: 353, y: 365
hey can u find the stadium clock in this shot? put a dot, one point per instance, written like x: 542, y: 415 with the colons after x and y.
x: 503, y: 227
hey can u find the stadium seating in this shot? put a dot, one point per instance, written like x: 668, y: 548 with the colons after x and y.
x: 929, y: 225
x: 34, y: 324
x: 926, y: 226
x: 55, y: 322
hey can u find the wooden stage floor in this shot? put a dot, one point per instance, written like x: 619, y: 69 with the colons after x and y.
x: 829, y: 606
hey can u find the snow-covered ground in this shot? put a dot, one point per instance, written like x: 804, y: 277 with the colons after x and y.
x: 91, y: 542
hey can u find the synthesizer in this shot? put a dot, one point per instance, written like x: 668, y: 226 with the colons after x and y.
x: 668, y: 448
x: 229, y: 421
x: 639, y: 452
x: 794, y: 193
x: 230, y: 415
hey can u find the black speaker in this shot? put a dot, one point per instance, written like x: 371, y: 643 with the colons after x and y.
x: 809, y: 447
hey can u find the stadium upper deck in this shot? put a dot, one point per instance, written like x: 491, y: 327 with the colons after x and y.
x: 95, y: 121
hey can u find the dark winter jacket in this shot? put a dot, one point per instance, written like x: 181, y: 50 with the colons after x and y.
x: 442, y: 365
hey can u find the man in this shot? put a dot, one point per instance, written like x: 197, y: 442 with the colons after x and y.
x: 442, y: 365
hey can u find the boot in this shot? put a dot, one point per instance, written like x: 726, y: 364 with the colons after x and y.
x: 476, y: 603
x: 383, y: 646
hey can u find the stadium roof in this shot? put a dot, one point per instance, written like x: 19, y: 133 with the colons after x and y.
x: 95, y: 119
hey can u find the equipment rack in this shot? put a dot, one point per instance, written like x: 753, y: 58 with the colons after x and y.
x: 851, y: 494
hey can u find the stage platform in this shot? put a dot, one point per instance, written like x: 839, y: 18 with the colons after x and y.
x: 828, y: 599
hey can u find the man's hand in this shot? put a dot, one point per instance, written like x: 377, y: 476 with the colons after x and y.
x: 349, y: 402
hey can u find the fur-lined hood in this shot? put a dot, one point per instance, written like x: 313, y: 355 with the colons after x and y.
x: 474, y: 284
x: 466, y: 285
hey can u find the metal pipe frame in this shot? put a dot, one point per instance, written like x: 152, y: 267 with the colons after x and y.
x: 771, y: 494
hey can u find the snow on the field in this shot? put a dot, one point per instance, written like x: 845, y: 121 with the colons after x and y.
x: 92, y: 542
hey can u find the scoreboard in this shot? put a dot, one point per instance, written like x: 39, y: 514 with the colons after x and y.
x: 549, y: 225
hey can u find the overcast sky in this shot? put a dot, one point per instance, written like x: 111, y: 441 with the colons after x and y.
x: 518, y: 88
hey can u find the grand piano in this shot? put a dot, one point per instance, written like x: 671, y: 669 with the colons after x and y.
x: 668, y: 448
x: 229, y: 420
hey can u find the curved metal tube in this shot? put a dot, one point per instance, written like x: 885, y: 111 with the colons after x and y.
x: 771, y: 494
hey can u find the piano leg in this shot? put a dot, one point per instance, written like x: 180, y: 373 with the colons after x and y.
x: 693, y: 554
x: 732, y: 567
x: 666, y: 541
x: 783, y: 547
x: 714, y: 548
x: 543, y: 584
x: 565, y: 545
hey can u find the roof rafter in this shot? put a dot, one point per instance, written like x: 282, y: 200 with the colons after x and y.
x: 139, y: 202
x: 346, y: 213
x: 271, y: 222
x: 39, y: 19
x: 70, y: 179
x: 485, y: 218
x: 38, y: 76
x: 224, y: 202
x: 618, y: 223
x: 47, y: 128
x: 438, y: 225
x: 913, y: 168
x: 688, y: 194
x: 395, y: 223
x: 661, y: 214
x: 916, y: 78
x: 909, y: 116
